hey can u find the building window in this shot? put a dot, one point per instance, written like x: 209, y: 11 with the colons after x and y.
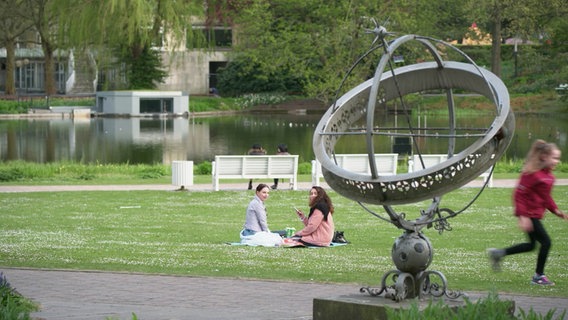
x: 216, y: 37
x: 30, y: 76
x: 156, y: 105
x: 60, y: 78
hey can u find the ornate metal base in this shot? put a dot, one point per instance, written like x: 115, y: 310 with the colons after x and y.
x: 407, y: 286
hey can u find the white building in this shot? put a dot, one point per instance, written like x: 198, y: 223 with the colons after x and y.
x: 189, y: 70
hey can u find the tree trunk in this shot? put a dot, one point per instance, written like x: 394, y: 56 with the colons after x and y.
x: 496, y: 42
x: 10, y: 63
x: 50, y: 87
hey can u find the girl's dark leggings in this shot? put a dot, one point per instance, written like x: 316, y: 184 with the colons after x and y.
x: 537, y: 234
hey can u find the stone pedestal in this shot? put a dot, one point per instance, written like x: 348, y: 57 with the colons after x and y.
x: 366, y: 307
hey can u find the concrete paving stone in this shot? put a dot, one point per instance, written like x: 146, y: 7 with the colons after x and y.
x: 89, y: 295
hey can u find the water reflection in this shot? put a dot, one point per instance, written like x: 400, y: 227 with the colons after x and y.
x: 141, y: 140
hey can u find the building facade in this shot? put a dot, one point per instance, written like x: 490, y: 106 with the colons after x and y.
x: 192, y: 70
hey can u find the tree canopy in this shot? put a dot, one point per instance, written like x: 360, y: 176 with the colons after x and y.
x: 314, y: 42
x: 297, y: 46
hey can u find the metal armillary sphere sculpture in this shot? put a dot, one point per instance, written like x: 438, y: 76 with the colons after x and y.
x: 354, y: 115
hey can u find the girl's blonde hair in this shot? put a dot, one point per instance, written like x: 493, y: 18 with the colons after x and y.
x: 535, y: 160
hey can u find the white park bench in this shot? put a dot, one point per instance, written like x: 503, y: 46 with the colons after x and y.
x: 255, y: 167
x: 429, y: 160
x: 359, y: 163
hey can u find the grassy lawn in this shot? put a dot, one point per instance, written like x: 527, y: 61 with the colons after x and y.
x: 185, y: 233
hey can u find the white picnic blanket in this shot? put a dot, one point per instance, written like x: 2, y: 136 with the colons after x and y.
x: 262, y: 238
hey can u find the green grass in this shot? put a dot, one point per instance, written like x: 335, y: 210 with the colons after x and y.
x: 196, y: 103
x: 185, y: 233
x: 535, y: 102
x: 73, y: 173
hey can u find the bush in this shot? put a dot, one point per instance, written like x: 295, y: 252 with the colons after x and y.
x: 204, y: 168
x: 245, y: 75
x: 487, y: 308
x: 305, y: 168
x: 153, y: 172
x: 11, y: 174
x: 251, y: 100
x: 13, y: 306
x: 13, y: 107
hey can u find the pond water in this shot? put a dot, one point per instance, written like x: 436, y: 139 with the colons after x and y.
x: 149, y: 141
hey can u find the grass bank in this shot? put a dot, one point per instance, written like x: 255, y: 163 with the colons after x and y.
x: 15, y: 105
x: 546, y: 102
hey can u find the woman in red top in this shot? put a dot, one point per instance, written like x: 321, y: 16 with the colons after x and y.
x: 532, y: 197
x: 319, y: 228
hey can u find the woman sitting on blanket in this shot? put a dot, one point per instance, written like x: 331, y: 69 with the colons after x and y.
x: 255, y: 230
x: 319, y: 228
x: 256, y: 220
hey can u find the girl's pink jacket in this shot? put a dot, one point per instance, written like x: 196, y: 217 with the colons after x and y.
x: 318, y: 231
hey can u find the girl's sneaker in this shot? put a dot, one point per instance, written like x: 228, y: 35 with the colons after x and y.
x: 541, y: 280
x: 495, y: 256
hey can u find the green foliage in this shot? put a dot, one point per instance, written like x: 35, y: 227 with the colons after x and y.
x: 153, y: 172
x: 533, y: 315
x: 134, y: 25
x: 62, y: 172
x: 124, y: 23
x: 313, y: 44
x: 506, y: 165
x: 245, y: 75
x: 480, y: 54
x: 13, y: 306
x: 11, y: 174
x: 251, y: 100
x: 490, y: 307
x: 208, y: 104
x: 21, y: 171
x: 23, y: 104
x: 559, y: 37
x: 144, y: 69
x: 86, y: 176
x: 14, y: 171
x: 305, y: 168
x: 71, y: 101
x: 203, y: 168
x: 12, y: 107
x: 134, y: 317
x: 301, y: 43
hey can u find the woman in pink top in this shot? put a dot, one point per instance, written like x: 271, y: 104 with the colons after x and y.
x: 319, y: 228
x: 532, y: 197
